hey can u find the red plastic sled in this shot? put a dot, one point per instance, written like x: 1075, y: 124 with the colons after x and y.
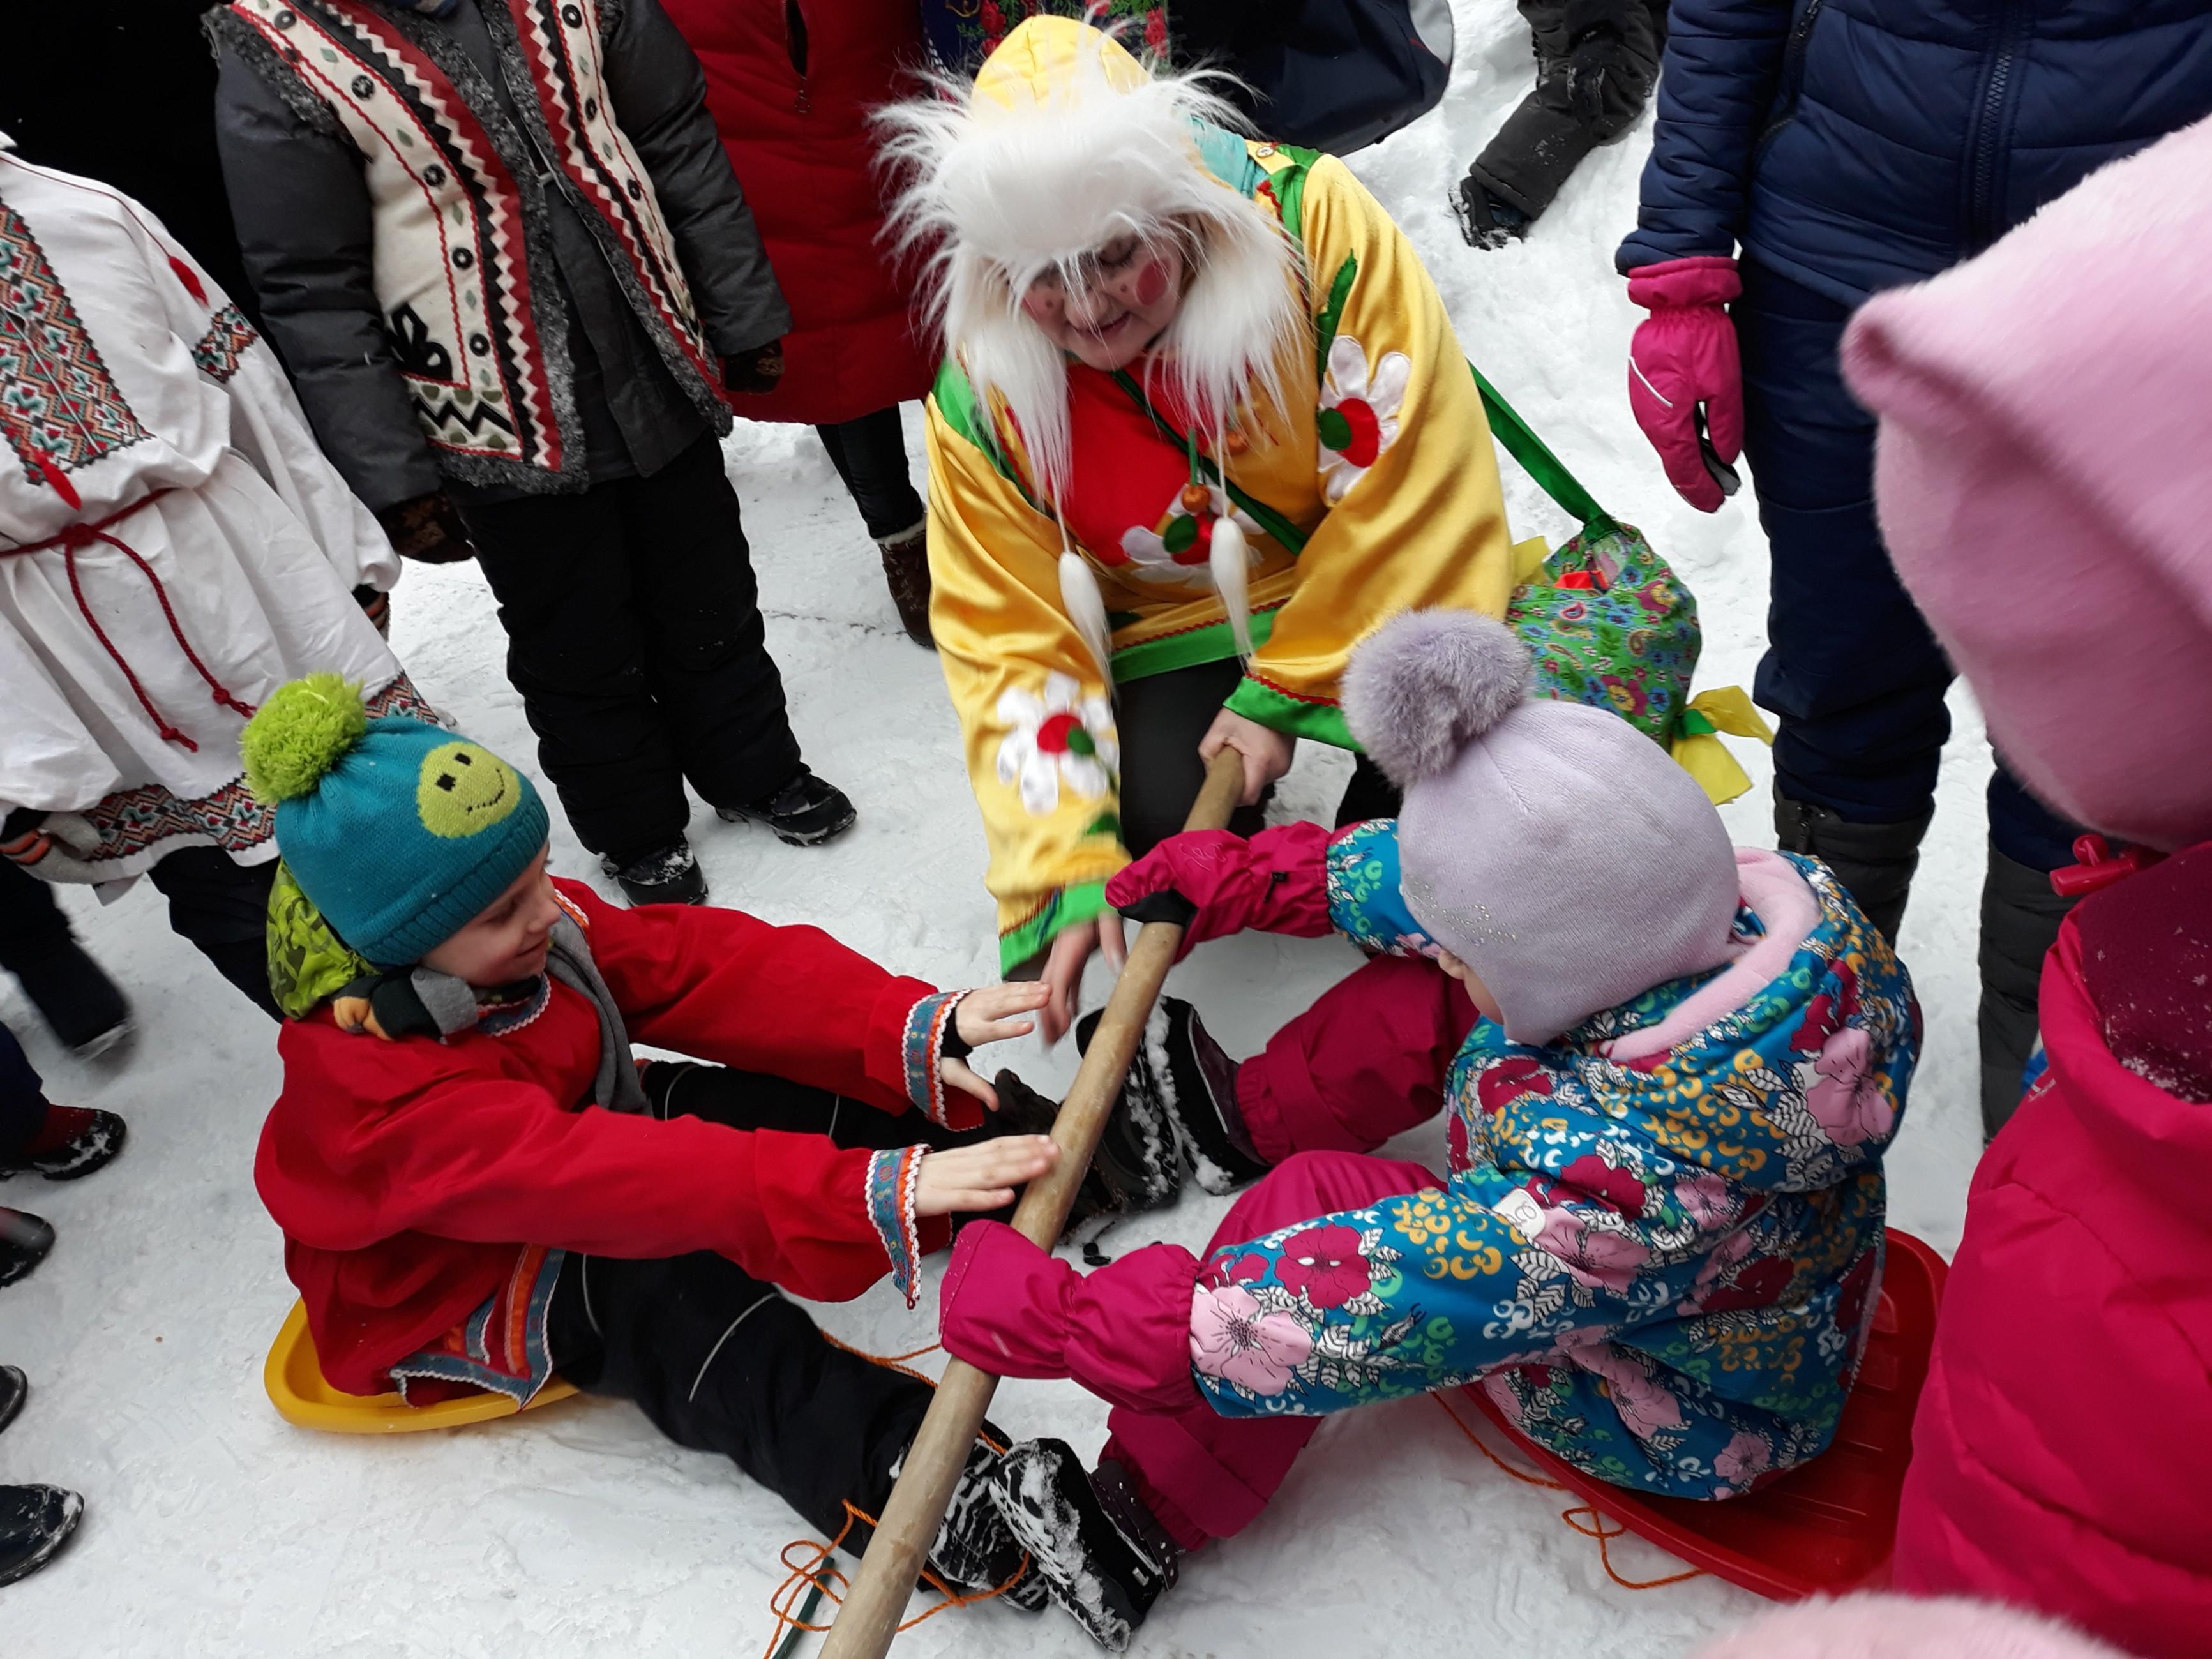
x: 1826, y: 1527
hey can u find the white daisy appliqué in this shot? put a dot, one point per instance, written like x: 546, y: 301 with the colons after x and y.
x: 1062, y: 737
x: 1359, y: 413
x: 1179, y: 553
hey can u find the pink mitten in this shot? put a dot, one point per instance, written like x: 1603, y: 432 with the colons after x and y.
x: 1215, y: 882
x: 1015, y: 1309
x: 1684, y: 355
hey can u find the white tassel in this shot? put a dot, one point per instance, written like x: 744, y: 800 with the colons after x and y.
x: 1230, y: 559
x: 1086, y: 608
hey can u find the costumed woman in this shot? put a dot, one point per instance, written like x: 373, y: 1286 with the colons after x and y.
x: 1172, y: 469
x: 172, y: 548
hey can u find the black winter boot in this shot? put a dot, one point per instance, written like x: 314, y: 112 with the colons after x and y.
x: 975, y: 1551
x: 1023, y: 1111
x: 24, y: 1241
x: 1138, y: 1154
x: 1180, y: 1074
x: 34, y: 1522
x: 2019, y: 924
x: 670, y: 876
x: 1101, y: 1555
x: 1873, y: 862
x: 805, y: 812
x: 74, y: 1141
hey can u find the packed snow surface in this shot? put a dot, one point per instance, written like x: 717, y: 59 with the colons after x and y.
x: 212, y: 1527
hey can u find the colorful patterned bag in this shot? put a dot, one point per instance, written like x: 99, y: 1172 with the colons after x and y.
x: 1610, y: 624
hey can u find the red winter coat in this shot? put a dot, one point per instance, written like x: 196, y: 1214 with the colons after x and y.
x: 406, y: 1174
x: 790, y: 84
x: 2062, y: 1452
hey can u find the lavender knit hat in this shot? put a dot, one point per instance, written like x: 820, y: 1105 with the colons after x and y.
x: 1553, y: 847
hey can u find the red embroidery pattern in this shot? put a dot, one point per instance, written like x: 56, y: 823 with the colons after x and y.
x: 58, y: 405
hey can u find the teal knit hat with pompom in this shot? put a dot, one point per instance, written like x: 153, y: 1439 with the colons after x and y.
x: 397, y: 830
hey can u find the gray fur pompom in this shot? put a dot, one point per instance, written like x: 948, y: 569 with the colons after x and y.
x: 1427, y: 682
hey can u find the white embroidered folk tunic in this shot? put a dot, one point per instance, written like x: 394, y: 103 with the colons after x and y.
x: 173, y: 547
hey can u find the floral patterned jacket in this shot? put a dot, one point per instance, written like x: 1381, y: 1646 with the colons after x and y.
x: 1663, y: 1270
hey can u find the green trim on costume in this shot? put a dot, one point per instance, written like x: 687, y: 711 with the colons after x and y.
x: 1322, y: 721
x: 954, y: 394
x: 1332, y: 313
x: 1213, y: 642
x: 1063, y: 909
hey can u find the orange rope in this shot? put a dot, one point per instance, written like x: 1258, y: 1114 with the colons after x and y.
x: 817, y: 1573
x: 1596, y: 1525
x: 1596, y: 1529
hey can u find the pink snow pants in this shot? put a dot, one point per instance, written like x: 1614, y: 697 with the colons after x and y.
x: 1367, y: 1061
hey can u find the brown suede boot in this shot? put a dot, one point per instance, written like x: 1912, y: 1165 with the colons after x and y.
x: 906, y: 570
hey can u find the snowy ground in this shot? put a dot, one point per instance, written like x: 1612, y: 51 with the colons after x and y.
x: 213, y: 1528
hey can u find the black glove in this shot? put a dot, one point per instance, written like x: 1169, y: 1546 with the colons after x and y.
x: 757, y: 373
x: 427, y: 529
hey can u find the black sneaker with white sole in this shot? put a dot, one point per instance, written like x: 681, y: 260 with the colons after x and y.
x: 670, y: 876
x: 975, y: 1551
x: 805, y: 812
x: 1101, y: 1557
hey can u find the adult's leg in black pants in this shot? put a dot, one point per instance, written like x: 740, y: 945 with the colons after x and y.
x: 560, y: 568
x: 79, y: 1003
x: 222, y: 907
x: 1851, y: 669
x: 1161, y: 719
x: 870, y: 456
x: 2021, y: 919
x: 720, y: 696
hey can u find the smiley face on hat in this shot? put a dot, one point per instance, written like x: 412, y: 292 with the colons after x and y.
x: 464, y: 788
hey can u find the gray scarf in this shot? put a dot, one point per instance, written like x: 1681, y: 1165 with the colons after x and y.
x: 452, y: 1003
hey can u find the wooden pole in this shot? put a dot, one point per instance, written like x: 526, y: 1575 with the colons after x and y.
x: 869, y: 1617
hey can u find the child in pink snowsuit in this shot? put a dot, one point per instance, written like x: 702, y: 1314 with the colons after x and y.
x: 1660, y: 1241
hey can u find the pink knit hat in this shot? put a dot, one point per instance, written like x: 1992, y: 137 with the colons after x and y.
x: 1902, y: 1627
x: 1554, y: 848
x: 2044, y: 480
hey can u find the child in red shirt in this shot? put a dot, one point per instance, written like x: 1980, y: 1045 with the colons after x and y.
x: 476, y: 1186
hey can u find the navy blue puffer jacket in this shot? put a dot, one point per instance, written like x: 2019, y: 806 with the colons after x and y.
x: 1856, y: 144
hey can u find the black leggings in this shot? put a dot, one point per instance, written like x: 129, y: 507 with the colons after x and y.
x: 870, y: 456
x: 723, y: 1361
x: 1162, y: 719
x: 218, y: 904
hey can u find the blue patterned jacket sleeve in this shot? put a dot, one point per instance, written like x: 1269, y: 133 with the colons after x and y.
x: 1365, y: 903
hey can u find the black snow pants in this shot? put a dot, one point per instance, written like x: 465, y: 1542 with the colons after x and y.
x: 634, y: 636
x: 723, y: 1361
x: 1595, y: 63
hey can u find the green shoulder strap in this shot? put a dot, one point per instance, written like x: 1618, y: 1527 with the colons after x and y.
x: 1288, y: 186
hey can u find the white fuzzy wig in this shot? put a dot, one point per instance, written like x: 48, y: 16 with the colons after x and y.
x: 1063, y: 144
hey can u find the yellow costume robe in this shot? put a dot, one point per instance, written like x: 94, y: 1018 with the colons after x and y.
x: 1382, y: 461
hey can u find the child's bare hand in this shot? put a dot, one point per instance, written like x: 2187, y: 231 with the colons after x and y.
x: 973, y: 1179
x: 995, y: 1013
x: 991, y: 1015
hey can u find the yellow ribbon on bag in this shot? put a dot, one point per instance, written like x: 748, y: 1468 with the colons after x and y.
x: 1698, y: 749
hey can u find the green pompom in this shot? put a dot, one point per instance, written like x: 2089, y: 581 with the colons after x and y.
x: 300, y: 734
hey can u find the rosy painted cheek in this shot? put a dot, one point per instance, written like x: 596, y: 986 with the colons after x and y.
x: 1151, y: 282
x: 1042, y: 308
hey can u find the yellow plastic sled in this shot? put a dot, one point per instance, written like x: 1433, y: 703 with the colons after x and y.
x: 294, y: 1377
